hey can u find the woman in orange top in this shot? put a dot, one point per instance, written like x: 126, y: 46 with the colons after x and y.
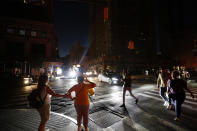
x: 81, y: 101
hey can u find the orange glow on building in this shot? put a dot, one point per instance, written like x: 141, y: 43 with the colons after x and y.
x: 106, y: 13
x: 131, y: 45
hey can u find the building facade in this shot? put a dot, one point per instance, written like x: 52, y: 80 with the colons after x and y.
x: 142, y: 33
x: 27, y: 35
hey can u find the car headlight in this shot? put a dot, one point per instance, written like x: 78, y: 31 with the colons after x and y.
x: 72, y: 74
x: 88, y: 73
x: 26, y: 81
x: 115, y: 79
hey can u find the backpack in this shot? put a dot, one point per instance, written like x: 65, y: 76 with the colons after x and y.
x: 35, y: 100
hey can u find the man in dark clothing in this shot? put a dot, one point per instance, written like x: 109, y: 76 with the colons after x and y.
x: 127, y: 86
x: 177, y: 93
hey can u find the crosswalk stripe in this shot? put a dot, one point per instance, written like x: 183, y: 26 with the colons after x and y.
x: 186, y: 101
x: 159, y: 99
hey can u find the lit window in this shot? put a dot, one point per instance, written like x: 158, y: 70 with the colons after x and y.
x: 10, y: 30
x: 21, y: 32
x: 25, y: 1
x: 131, y: 45
x: 106, y: 13
x: 33, y: 33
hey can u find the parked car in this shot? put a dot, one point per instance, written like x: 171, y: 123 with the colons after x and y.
x: 110, y: 77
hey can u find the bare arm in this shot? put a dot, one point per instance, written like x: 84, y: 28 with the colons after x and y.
x: 51, y: 92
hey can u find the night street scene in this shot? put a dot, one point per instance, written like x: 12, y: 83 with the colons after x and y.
x: 98, y: 65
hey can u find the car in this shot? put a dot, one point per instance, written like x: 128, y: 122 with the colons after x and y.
x: 110, y: 77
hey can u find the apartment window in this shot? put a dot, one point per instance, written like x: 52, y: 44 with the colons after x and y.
x: 106, y: 13
x: 21, y: 32
x: 10, y: 30
x: 33, y: 33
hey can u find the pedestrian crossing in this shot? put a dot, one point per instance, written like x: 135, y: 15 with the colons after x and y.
x: 190, y: 103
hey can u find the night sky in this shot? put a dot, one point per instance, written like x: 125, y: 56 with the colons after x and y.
x: 71, y: 24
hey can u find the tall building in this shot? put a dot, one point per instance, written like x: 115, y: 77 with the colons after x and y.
x: 26, y: 34
x: 176, y: 31
x: 122, y: 33
x: 142, y: 33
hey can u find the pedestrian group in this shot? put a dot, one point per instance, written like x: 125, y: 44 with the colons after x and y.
x: 171, y: 89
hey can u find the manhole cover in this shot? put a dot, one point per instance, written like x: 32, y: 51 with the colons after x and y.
x: 105, y: 117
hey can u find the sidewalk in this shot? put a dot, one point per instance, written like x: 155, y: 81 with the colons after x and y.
x: 28, y: 120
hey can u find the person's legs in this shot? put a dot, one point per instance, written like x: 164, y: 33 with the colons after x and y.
x: 162, y: 94
x: 177, y: 108
x: 123, y: 96
x: 170, y: 98
x: 85, y: 111
x: 44, y: 114
x: 79, y: 116
x: 130, y: 91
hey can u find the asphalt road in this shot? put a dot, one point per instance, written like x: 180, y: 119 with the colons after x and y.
x: 148, y: 114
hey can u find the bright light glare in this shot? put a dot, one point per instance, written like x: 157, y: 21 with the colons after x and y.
x: 114, y: 79
x: 59, y: 71
x: 72, y: 74
x: 88, y: 73
x: 115, y: 82
x: 26, y: 81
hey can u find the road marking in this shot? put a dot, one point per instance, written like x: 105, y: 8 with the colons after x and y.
x: 65, y: 116
x: 159, y: 99
x: 187, y: 100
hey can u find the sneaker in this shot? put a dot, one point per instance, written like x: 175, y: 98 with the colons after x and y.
x: 81, y: 128
x: 176, y: 119
x: 123, y: 105
x: 136, y: 101
x: 87, y: 129
x: 165, y: 103
x: 47, y: 129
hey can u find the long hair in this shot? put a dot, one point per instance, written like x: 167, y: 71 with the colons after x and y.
x: 42, y: 82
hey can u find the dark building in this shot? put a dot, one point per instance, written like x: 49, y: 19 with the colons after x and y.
x: 122, y: 33
x: 27, y: 34
x: 142, y: 33
x: 176, y: 31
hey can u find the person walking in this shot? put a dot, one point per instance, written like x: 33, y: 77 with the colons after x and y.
x: 127, y: 87
x: 81, y: 100
x: 177, y: 93
x: 45, y: 92
x: 162, y: 80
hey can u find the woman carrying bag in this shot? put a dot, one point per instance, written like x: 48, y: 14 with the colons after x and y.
x: 81, y: 100
x: 45, y: 92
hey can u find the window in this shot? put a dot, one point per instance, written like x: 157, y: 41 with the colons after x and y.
x: 22, y: 32
x: 106, y: 13
x: 33, y: 33
x: 131, y: 45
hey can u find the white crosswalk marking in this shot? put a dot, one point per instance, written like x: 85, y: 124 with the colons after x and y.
x: 190, y: 103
